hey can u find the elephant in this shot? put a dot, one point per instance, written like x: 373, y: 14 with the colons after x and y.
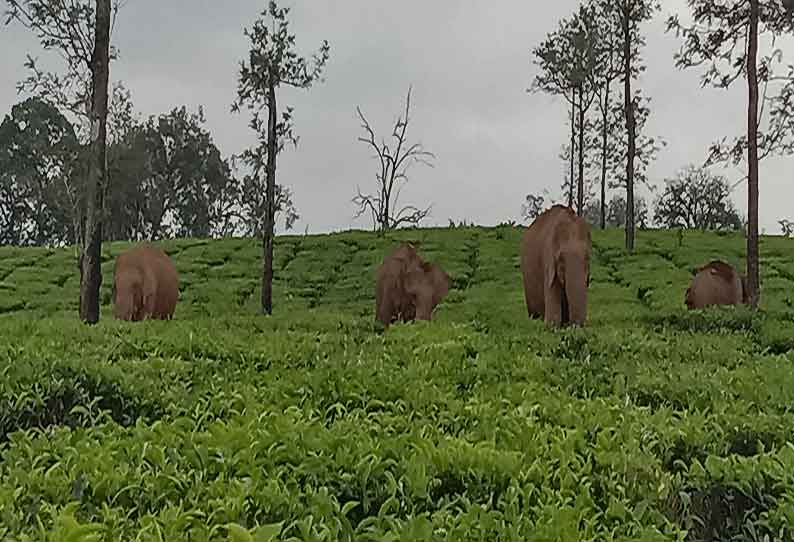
x: 716, y: 283
x: 407, y: 287
x: 145, y: 284
x: 555, y: 264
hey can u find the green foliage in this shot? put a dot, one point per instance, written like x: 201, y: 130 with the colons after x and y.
x: 651, y: 422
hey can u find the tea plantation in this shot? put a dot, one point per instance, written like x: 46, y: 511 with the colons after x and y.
x: 652, y: 423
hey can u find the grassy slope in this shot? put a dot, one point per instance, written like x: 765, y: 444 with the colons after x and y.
x: 480, y: 425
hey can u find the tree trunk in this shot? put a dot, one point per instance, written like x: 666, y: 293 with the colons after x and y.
x: 270, y: 204
x: 604, y: 144
x: 631, y: 151
x: 90, y: 262
x: 753, y: 278
x: 573, y: 147
x: 580, y: 184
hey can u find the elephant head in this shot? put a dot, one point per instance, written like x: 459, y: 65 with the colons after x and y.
x: 572, y: 274
x: 427, y: 285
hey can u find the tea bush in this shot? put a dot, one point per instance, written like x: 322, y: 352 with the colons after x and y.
x: 652, y: 423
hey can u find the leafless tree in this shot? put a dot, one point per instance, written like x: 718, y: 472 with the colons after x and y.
x: 392, y: 175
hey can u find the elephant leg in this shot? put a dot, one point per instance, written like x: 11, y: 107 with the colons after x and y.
x: 385, y: 311
x: 553, y: 304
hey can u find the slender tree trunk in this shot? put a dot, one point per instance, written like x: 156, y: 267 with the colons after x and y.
x: 753, y: 278
x: 580, y: 184
x: 604, y: 143
x: 573, y: 147
x: 90, y: 261
x: 630, y: 127
x: 270, y: 205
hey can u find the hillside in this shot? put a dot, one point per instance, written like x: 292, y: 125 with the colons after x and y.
x: 482, y: 425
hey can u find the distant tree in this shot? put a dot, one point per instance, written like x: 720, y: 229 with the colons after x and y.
x: 646, y: 148
x: 567, y: 64
x: 272, y: 62
x: 697, y: 199
x: 184, y: 185
x: 592, y: 212
x: 617, y: 212
x: 38, y: 156
x: 67, y: 27
x: 787, y: 226
x: 533, y: 206
x: 392, y: 175
x: 724, y: 37
x: 252, y: 211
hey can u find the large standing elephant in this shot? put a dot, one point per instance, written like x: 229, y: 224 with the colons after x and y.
x: 555, y: 264
x: 716, y: 283
x: 145, y: 284
x: 407, y: 287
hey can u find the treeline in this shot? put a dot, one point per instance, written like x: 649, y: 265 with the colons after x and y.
x: 165, y: 178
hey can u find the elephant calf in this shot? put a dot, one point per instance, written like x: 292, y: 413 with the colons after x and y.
x: 145, y: 284
x: 716, y: 283
x: 407, y: 287
x: 555, y: 264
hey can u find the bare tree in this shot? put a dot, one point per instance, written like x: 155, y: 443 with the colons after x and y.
x: 392, y: 176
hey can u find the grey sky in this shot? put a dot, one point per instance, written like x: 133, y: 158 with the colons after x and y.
x: 469, y: 62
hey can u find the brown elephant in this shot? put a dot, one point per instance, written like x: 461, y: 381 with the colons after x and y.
x: 716, y: 283
x: 145, y: 284
x: 555, y: 264
x: 407, y: 287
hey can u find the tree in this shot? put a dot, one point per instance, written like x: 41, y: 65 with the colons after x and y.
x: 532, y: 207
x: 697, y: 199
x: 567, y: 64
x: 272, y: 62
x: 646, y: 148
x: 617, y: 212
x: 184, y: 185
x: 392, y: 175
x: 787, y: 226
x: 253, y: 207
x: 38, y: 155
x: 630, y: 14
x: 66, y: 27
x: 724, y: 36
x: 609, y: 69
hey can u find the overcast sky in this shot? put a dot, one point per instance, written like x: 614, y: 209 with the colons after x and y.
x: 469, y: 62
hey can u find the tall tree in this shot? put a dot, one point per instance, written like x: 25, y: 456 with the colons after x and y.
x: 567, y: 61
x: 608, y: 70
x: 392, y: 174
x: 584, y: 39
x: 556, y: 60
x: 85, y: 45
x: 725, y: 37
x: 272, y: 62
x: 630, y: 14
x: 91, y: 270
